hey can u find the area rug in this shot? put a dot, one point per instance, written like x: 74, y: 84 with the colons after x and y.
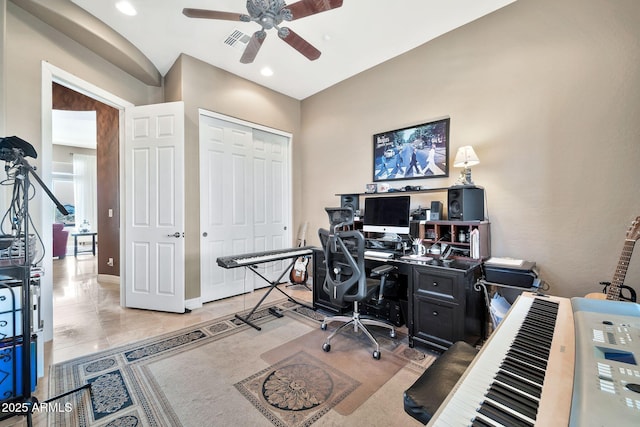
x: 222, y: 372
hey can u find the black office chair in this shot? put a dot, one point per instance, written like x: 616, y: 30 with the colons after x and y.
x: 346, y: 280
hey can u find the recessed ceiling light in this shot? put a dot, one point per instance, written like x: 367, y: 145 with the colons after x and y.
x: 267, y: 72
x: 126, y: 8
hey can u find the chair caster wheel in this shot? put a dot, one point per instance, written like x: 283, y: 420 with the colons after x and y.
x: 376, y: 355
x: 323, y: 326
x: 392, y: 334
x: 326, y: 347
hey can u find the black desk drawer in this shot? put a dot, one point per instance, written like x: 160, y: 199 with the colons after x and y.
x: 434, y: 283
x: 437, y: 322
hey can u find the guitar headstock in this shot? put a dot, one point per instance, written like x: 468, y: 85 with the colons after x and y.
x: 634, y: 230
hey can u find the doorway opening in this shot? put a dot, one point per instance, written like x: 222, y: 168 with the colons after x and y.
x: 57, y: 84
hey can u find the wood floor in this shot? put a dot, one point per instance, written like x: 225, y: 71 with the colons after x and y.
x: 87, y: 317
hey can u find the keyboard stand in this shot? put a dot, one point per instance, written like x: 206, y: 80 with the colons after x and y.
x: 272, y: 285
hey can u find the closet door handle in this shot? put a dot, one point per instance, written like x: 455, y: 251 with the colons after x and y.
x: 176, y: 235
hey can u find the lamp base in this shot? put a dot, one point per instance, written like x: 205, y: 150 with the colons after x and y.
x: 465, y: 177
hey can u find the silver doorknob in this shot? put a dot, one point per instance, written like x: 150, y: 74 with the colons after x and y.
x: 205, y: 234
x: 176, y: 234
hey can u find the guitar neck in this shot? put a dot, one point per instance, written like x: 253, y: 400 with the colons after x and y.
x: 613, y: 292
x: 302, y: 235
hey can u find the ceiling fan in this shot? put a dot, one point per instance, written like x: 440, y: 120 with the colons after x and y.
x: 270, y: 14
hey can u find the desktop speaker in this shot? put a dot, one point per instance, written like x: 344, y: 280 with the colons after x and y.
x: 436, y: 211
x: 350, y: 201
x: 466, y: 204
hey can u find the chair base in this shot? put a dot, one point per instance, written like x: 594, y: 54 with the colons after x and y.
x: 357, y: 322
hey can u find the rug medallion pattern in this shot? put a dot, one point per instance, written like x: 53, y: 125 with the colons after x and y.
x: 296, y: 391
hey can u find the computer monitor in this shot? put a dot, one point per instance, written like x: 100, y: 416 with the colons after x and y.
x: 386, y: 214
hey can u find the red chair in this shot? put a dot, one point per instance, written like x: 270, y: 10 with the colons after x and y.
x: 60, y: 237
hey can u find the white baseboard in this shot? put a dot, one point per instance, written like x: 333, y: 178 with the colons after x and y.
x: 192, y: 304
x: 109, y: 278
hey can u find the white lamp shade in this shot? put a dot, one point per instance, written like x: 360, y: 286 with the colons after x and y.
x: 465, y: 157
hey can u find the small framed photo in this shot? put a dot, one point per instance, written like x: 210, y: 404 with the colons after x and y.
x: 371, y: 188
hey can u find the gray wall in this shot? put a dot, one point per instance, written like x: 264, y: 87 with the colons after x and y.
x: 547, y: 93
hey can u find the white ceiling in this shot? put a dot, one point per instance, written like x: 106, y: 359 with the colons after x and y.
x: 352, y: 38
x: 74, y: 128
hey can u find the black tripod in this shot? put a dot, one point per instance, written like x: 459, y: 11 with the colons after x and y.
x: 13, y: 151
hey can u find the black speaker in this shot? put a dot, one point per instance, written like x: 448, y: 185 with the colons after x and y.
x: 350, y: 201
x: 436, y: 211
x: 466, y: 204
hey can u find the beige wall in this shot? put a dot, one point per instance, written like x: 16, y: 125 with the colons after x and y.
x: 547, y: 93
x: 200, y: 85
x: 28, y: 42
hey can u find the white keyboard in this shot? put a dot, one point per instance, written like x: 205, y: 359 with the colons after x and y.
x: 378, y: 254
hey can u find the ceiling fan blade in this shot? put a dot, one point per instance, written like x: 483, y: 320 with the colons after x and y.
x: 212, y: 14
x: 298, y: 43
x: 253, y: 47
x: 304, y: 8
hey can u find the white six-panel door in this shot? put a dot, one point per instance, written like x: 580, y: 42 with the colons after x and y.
x: 244, y: 202
x: 154, y: 208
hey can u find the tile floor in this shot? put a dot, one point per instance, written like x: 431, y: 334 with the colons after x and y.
x: 87, y: 317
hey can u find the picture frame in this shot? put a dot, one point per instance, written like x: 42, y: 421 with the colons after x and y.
x: 413, y: 152
x: 371, y: 188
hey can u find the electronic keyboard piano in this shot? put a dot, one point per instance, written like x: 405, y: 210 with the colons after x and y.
x: 262, y: 257
x: 251, y: 260
x: 523, y: 371
x: 553, y: 362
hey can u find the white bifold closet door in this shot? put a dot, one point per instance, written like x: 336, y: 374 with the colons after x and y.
x: 244, y: 202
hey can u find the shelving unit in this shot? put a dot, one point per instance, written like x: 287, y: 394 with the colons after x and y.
x: 397, y: 192
x: 448, y: 232
x: 18, y: 373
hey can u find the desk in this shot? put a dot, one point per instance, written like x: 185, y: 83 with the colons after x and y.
x: 442, y: 305
x: 75, y: 243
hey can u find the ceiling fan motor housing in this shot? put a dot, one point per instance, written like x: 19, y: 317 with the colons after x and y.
x: 268, y: 14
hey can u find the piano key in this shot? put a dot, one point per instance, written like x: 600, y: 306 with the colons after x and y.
x: 480, y: 422
x: 514, y: 400
x: 536, y: 334
x: 537, y: 350
x: 528, y: 358
x: 522, y: 371
x: 495, y: 412
x: 519, y: 383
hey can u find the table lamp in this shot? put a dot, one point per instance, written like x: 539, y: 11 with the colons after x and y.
x: 465, y: 158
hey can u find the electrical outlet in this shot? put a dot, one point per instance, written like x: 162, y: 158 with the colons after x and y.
x: 110, y: 262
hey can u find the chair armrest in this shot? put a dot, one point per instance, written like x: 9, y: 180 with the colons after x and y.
x: 383, y: 269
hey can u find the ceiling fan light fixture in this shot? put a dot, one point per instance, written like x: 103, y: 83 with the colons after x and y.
x: 126, y: 8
